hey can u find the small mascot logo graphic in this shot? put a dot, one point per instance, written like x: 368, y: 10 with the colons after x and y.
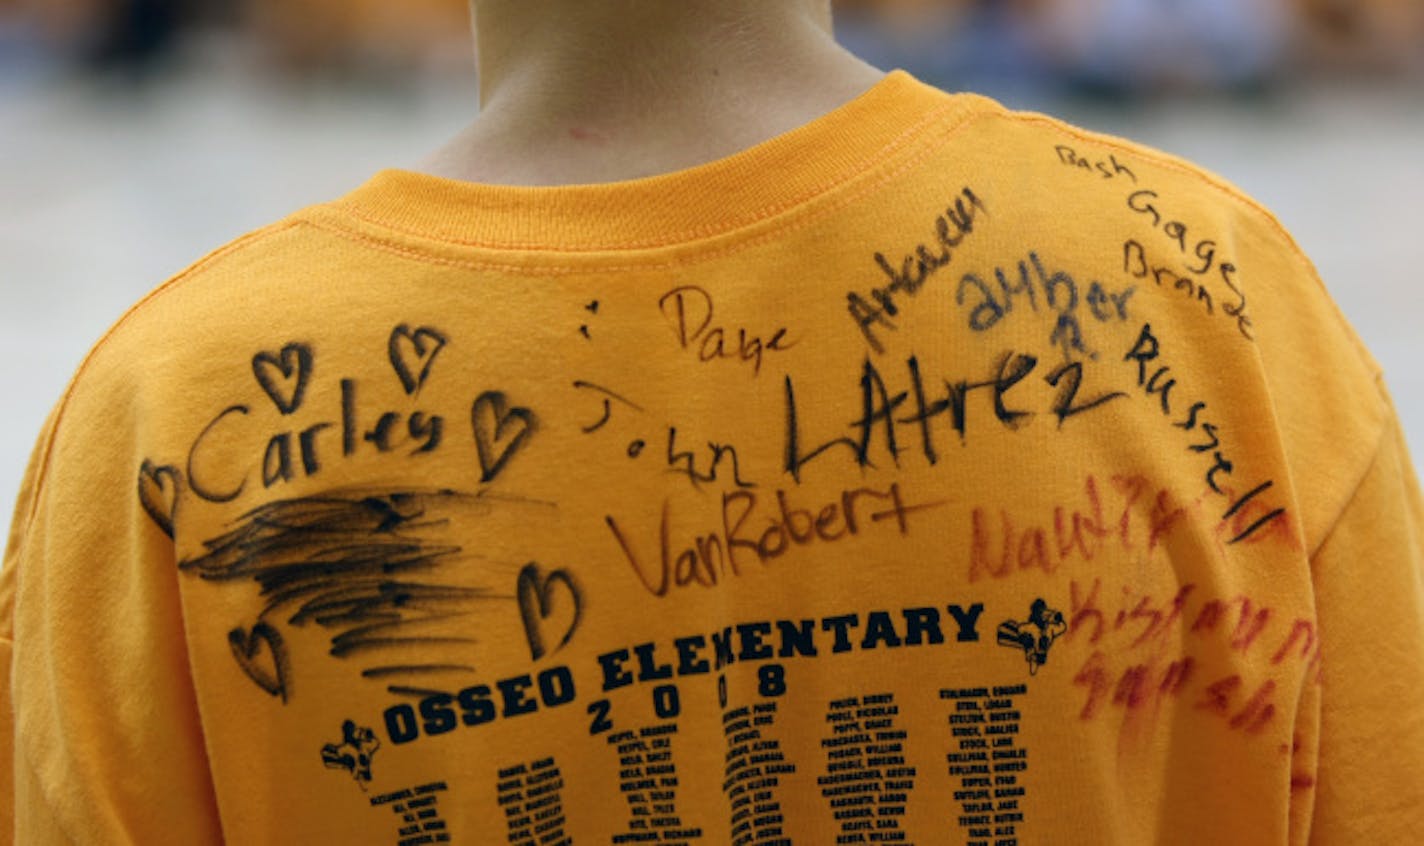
x: 353, y: 753
x: 1035, y: 636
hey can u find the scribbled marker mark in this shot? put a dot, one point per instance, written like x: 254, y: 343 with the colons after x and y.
x: 591, y: 308
x: 412, y: 692
x: 284, y: 375
x: 1258, y: 525
x: 269, y: 668
x: 414, y: 669
x: 499, y: 430
x: 364, y: 566
x: 158, y: 489
x: 412, y: 354
x: 537, y: 593
x: 1241, y: 503
x: 607, y: 405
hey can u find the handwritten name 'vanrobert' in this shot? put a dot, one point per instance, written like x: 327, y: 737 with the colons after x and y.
x: 709, y: 559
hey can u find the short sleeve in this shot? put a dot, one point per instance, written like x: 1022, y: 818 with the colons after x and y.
x: 1369, y: 581
x: 24, y: 505
x: 103, y: 739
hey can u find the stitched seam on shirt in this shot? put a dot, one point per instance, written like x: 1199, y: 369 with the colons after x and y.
x: 904, y: 139
x: 838, y: 200
x: 1169, y: 162
x: 34, y: 778
x: 1386, y: 429
x: 1160, y: 159
x: 42, y: 468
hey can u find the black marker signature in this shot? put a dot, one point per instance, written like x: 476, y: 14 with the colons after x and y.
x: 158, y: 492
x: 500, y: 430
x: 365, y: 566
x: 408, y: 350
x: 915, y: 268
x: 284, y: 375
x: 538, y: 594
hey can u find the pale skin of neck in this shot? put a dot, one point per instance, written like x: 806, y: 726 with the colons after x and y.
x: 595, y: 91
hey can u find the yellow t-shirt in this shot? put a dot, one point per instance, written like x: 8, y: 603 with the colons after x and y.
x: 930, y: 474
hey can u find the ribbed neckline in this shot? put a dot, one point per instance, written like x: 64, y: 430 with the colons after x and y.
x: 714, y: 198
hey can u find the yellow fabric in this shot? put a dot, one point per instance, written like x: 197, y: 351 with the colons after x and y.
x: 932, y: 473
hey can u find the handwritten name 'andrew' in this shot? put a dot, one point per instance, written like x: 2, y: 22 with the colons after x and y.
x: 915, y: 268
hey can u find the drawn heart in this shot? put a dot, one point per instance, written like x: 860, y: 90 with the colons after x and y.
x: 284, y: 375
x: 158, y: 489
x: 499, y: 431
x: 269, y: 667
x: 536, y: 604
x: 409, y: 350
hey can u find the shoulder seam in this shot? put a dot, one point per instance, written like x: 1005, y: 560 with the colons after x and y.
x: 1180, y: 165
x: 195, y: 269
x: 1367, y: 466
x: 1162, y: 159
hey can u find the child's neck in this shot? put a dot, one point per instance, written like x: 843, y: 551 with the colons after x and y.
x: 605, y: 90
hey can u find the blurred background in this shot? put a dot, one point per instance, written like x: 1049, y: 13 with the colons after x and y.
x: 136, y: 135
